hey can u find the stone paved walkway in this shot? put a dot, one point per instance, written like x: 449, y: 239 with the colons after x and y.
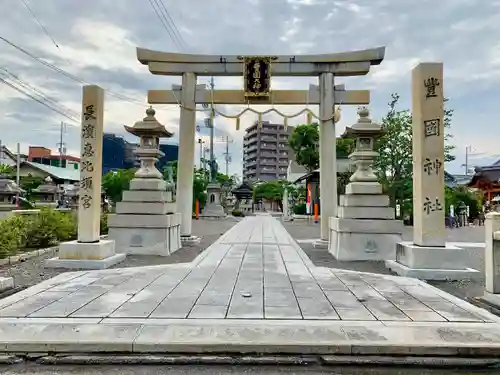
x: 253, y: 288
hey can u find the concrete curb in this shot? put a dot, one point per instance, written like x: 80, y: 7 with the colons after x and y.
x: 32, y: 254
x: 324, y: 361
x: 28, y: 255
x: 178, y: 360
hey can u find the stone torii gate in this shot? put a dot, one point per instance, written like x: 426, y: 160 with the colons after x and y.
x: 257, y: 72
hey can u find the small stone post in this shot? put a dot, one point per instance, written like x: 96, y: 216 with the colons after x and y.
x: 286, y: 210
x: 492, y: 253
x: 89, y: 251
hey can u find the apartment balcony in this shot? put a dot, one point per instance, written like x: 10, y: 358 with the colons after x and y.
x: 251, y: 163
x: 268, y: 146
x: 270, y: 162
x: 267, y: 138
x: 264, y: 154
x: 268, y: 130
x: 251, y: 141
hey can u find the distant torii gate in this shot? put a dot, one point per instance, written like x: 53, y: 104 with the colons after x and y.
x: 257, y: 72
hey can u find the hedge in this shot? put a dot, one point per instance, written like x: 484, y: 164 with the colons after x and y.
x: 44, y: 229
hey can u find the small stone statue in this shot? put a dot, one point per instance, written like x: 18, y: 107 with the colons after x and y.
x: 214, y: 168
x: 170, y: 174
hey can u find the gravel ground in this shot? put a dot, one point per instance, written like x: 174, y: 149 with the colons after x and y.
x: 32, y: 271
x: 321, y: 257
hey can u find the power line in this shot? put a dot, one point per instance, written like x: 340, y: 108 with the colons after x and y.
x: 163, y: 20
x: 67, y: 74
x: 43, y: 27
x: 36, y: 99
x: 42, y: 96
x: 174, y: 26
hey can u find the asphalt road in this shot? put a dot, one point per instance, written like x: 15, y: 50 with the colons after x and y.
x: 223, y: 370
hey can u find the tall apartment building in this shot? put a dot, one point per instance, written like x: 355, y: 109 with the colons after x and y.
x: 266, y: 152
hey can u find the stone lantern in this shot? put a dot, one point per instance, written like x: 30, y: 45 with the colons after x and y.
x: 365, y: 227
x: 149, y: 131
x: 145, y: 221
x: 365, y: 133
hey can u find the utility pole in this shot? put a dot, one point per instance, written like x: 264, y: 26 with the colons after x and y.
x: 200, y: 142
x: 211, y: 125
x: 468, y: 150
x: 61, y: 145
x: 227, y: 155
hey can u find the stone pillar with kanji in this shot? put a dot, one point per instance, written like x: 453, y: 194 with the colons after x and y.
x: 89, y: 251
x: 428, y: 256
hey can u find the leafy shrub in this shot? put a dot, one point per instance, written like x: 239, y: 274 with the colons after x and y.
x: 12, y: 235
x: 237, y: 213
x: 104, y: 224
x: 300, y: 209
x: 49, y: 227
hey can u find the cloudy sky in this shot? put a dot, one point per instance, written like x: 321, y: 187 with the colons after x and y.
x: 96, y: 41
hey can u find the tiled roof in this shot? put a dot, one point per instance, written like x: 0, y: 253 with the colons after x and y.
x: 56, y: 172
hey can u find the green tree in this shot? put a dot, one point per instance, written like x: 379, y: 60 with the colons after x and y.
x: 304, y: 141
x: 271, y: 191
x: 114, y: 183
x: 29, y: 183
x: 394, y: 164
x: 6, y: 170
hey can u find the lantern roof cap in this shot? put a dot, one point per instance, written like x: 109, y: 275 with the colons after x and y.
x: 149, y: 126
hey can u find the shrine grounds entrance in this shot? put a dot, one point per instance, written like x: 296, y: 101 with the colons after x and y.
x: 257, y: 72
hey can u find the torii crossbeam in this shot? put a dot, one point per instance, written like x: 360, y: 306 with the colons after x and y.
x: 277, y: 97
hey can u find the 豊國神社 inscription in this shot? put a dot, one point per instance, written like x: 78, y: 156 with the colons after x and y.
x: 428, y: 154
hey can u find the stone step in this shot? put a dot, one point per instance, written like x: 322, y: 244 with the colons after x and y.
x: 144, y: 196
x: 363, y: 188
x: 385, y: 213
x: 145, y: 208
x: 148, y: 184
x: 365, y: 225
x: 364, y: 200
x: 143, y: 221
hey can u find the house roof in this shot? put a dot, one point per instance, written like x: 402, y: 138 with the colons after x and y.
x: 9, y: 187
x: 243, y: 190
x: 56, y: 172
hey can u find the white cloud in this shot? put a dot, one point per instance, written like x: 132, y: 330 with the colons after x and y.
x: 99, y: 39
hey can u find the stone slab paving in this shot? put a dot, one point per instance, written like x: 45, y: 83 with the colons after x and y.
x: 253, y: 290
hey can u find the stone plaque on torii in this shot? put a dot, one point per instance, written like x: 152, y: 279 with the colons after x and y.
x: 325, y: 66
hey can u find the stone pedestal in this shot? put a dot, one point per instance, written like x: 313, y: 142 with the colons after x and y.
x: 85, y: 255
x: 89, y: 251
x: 145, y: 222
x: 213, y: 209
x: 365, y: 228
